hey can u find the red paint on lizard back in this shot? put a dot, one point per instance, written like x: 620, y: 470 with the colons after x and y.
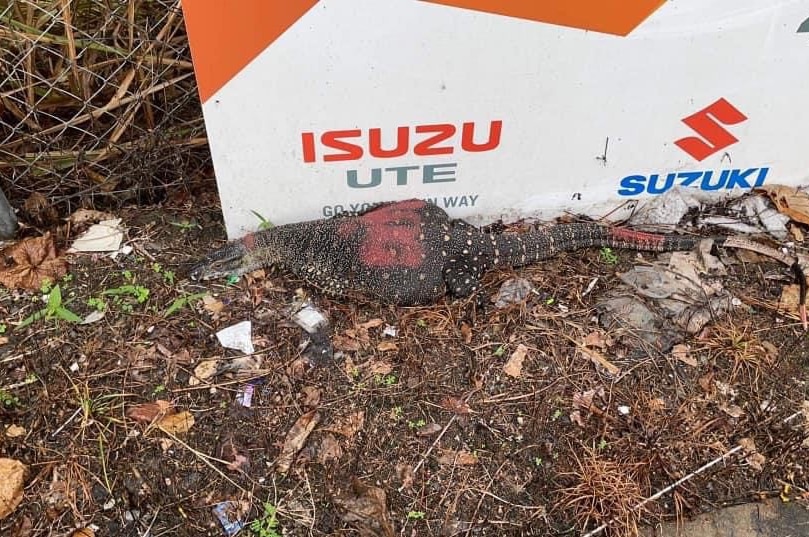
x: 637, y: 237
x: 391, y: 235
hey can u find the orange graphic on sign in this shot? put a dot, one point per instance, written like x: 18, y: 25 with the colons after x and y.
x: 225, y: 35
x: 618, y: 17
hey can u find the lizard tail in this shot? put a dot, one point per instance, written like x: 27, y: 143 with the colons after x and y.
x: 517, y: 249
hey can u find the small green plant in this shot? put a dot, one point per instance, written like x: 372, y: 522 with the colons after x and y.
x: 602, y: 444
x: 387, y: 380
x: 168, y: 275
x: 129, y: 289
x: 396, y: 412
x: 185, y: 225
x: 3, y: 328
x: 417, y: 424
x: 264, y: 223
x: 183, y: 301
x: 160, y: 388
x: 8, y: 400
x: 46, y: 286
x: 267, y: 525
x: 97, y: 303
x: 421, y: 323
x: 500, y: 351
x: 67, y: 278
x: 556, y: 414
x: 608, y: 256
x: 53, y: 309
x: 416, y: 515
x: 538, y: 461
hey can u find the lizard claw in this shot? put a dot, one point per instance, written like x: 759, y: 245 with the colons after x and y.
x: 226, y: 261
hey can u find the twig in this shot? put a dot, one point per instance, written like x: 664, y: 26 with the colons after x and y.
x: 430, y: 449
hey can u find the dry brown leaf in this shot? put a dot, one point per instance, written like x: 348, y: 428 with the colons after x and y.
x: 405, y: 474
x: 789, y: 201
x: 349, y: 425
x: 81, y: 216
x: 428, y: 430
x: 796, y: 233
x: 598, y: 359
x: 379, y: 367
x: 147, y: 412
x: 3, y: 340
x: 212, y: 304
x: 455, y: 405
x: 83, y: 532
x: 706, y: 383
x: 12, y: 480
x: 386, y: 346
x: 466, y: 333
x: 373, y: 323
x: 755, y: 459
x: 576, y: 418
x: 366, y: 507
x: 790, y: 299
x: 461, y: 458
x: 34, y: 261
x: 513, y: 366
x: 15, y: 431
x: 597, y: 339
x: 295, y: 439
x: 734, y: 411
x: 682, y: 352
x: 236, y: 455
x: 311, y: 396
x: 203, y: 371
x: 178, y: 423
x: 345, y: 343
x: 329, y: 450
x: 584, y: 400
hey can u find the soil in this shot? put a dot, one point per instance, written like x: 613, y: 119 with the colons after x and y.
x: 426, y: 422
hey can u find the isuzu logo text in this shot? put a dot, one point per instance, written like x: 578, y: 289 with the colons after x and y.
x: 437, y: 139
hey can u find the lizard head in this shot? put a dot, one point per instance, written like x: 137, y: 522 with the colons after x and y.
x: 229, y: 260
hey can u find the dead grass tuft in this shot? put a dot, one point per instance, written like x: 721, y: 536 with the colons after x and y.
x: 605, y: 491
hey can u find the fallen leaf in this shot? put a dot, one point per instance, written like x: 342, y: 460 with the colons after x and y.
x: 598, y: 359
x: 365, y: 507
x: 14, y: 431
x: 755, y: 459
x: 373, y: 323
x: 12, y: 480
x: 706, y: 382
x: 455, y: 405
x: 34, y: 261
x: 734, y: 411
x: 177, y: 423
x: 576, y: 418
x: 790, y: 299
x: 311, y: 396
x: 513, y: 366
x: 682, y: 352
x: 81, y: 216
x: 584, y: 400
x: 379, y: 367
x: 3, y: 340
x: 466, y: 333
x: 656, y: 405
x: 203, y: 371
x: 345, y: 343
x: 237, y: 457
x: 212, y: 305
x: 796, y: 233
x: 386, y: 346
x: 349, y: 425
x: 462, y: 458
x: 428, y: 430
x: 789, y: 201
x: 405, y: 474
x: 147, y: 412
x: 295, y: 439
x: 596, y: 339
x: 83, y: 532
x: 329, y: 450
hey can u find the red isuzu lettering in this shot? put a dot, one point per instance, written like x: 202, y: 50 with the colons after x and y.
x: 425, y: 140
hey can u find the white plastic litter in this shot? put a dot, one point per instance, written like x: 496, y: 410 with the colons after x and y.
x: 105, y: 236
x: 238, y: 337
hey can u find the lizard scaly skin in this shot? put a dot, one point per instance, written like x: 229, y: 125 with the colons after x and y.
x: 410, y: 252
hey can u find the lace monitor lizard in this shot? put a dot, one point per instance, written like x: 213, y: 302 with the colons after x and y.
x: 410, y: 252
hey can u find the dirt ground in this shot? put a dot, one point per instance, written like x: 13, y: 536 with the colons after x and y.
x: 414, y: 427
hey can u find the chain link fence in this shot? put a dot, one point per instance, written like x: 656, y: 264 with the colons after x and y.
x: 98, y: 103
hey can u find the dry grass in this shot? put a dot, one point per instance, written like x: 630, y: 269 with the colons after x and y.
x: 605, y: 491
x: 98, y: 100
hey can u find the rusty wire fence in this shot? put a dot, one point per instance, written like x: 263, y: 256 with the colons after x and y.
x: 98, y: 103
